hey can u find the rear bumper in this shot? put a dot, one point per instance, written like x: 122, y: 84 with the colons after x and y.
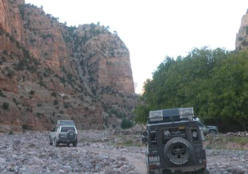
x: 66, y: 140
x: 186, y: 168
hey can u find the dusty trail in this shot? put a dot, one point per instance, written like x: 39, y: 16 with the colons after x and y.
x: 137, y: 160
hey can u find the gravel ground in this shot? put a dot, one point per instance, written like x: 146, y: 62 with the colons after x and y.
x: 227, y: 161
x: 31, y: 153
x: 97, y: 152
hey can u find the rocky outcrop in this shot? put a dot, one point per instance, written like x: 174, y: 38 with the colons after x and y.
x: 242, y: 35
x: 50, y: 71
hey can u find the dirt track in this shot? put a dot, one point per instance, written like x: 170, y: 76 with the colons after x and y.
x: 137, y: 160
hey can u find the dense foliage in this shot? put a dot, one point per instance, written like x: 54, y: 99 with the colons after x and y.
x: 125, y: 123
x: 214, y: 82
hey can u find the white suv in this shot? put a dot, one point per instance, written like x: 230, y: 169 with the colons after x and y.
x: 64, y: 134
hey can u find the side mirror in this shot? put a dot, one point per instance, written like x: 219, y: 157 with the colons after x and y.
x: 144, y: 137
x: 144, y: 133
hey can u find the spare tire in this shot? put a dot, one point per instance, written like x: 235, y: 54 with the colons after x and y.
x: 71, y: 135
x: 178, y: 150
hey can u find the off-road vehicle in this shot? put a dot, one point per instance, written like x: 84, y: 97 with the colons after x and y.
x: 63, y: 134
x: 207, y: 129
x: 174, y: 142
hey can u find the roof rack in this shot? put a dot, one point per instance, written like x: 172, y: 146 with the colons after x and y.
x: 65, y: 122
x: 174, y: 114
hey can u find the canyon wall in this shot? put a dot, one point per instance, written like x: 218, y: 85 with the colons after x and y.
x: 49, y: 71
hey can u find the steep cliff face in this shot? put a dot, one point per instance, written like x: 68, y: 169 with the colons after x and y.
x: 49, y: 71
x: 242, y: 36
x: 10, y: 19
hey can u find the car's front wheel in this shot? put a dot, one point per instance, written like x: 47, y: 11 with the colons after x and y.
x: 204, y: 171
x: 75, y: 144
x: 55, y: 143
x: 50, y: 141
x: 212, y: 132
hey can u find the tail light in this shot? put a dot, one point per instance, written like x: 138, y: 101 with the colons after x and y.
x: 154, y: 161
x: 153, y: 158
x: 153, y: 138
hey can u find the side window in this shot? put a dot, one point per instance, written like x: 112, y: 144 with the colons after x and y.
x: 200, y: 124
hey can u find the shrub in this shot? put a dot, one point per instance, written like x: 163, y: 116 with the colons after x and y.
x: 32, y: 92
x: 21, y: 9
x: 39, y: 114
x: 1, y: 94
x: 26, y: 127
x: 20, y: 65
x: 29, y: 109
x: 67, y: 105
x: 10, y: 73
x: 15, y: 101
x: 53, y: 94
x: 55, y: 102
x: 45, y: 36
x: 41, y: 83
x: 39, y: 104
x: 5, y: 52
x: 125, y: 123
x: 11, y: 132
x: 5, y: 106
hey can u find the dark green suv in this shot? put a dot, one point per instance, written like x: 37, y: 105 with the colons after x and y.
x: 174, y: 142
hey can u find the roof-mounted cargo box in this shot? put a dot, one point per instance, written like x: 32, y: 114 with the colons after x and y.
x: 175, y: 114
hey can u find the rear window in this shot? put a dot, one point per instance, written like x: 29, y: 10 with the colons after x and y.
x: 66, y: 129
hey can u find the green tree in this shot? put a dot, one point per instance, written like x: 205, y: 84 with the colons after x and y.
x: 214, y: 82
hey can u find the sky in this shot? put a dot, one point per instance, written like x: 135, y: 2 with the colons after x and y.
x: 154, y: 29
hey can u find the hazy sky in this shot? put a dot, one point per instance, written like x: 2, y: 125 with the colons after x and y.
x: 153, y: 29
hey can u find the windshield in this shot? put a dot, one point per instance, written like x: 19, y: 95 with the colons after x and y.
x: 200, y: 124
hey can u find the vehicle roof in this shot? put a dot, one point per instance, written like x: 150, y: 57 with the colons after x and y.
x: 65, y: 120
x: 67, y: 126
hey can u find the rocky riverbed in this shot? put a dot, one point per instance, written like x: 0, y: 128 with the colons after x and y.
x: 99, y: 152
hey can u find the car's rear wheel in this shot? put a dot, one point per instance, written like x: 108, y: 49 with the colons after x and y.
x: 157, y: 171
